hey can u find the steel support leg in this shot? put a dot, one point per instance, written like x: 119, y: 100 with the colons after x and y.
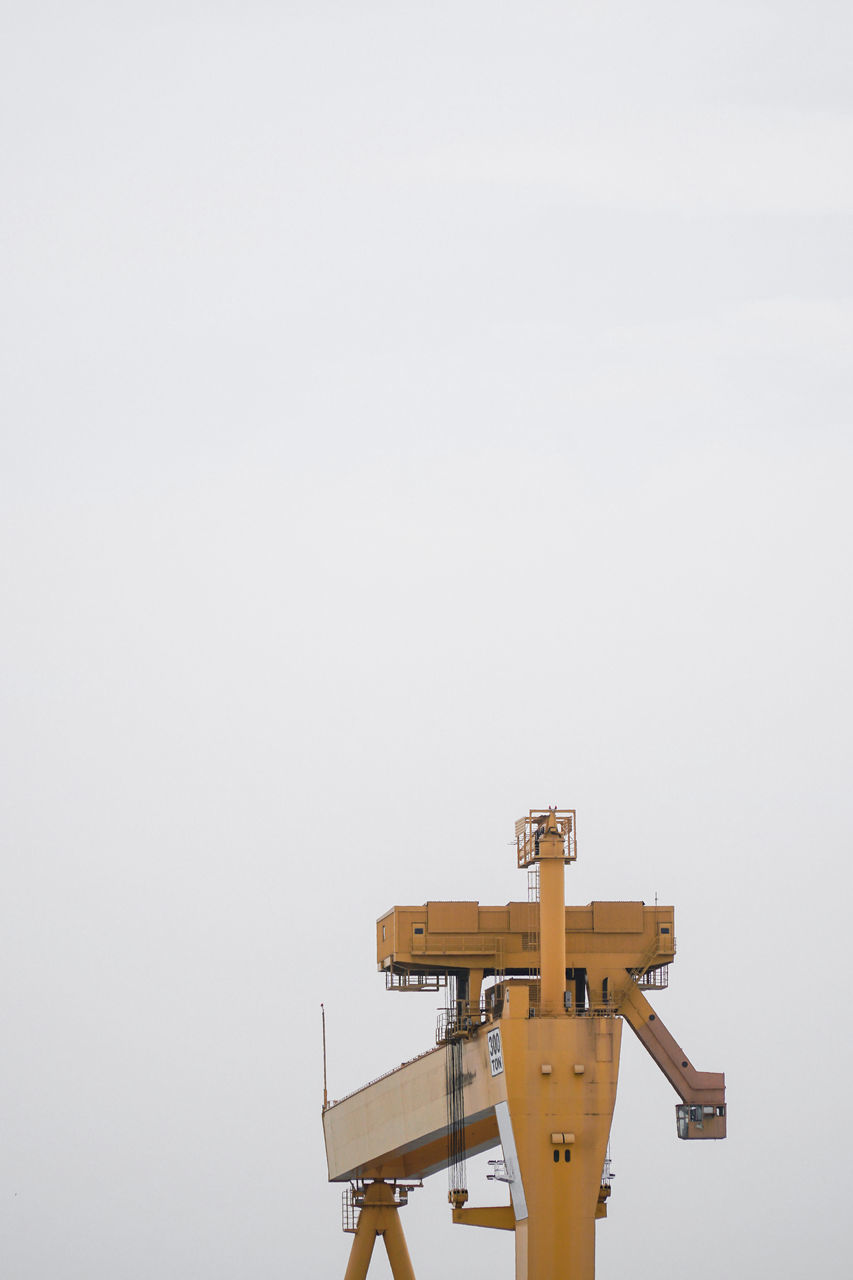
x: 396, y: 1248
x: 379, y: 1216
x: 362, y: 1248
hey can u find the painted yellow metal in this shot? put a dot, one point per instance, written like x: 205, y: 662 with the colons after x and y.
x: 379, y: 1216
x: 539, y: 1058
x: 561, y: 1182
x: 552, y: 918
x: 499, y: 1216
x: 611, y: 935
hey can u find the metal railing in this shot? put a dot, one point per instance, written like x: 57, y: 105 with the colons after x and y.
x: 607, y: 1008
x: 337, y: 1101
x: 652, y: 976
x: 453, y: 944
x: 607, y: 1174
x: 529, y: 829
x: 457, y: 1022
x: 406, y: 980
x: 351, y: 1203
x: 656, y: 979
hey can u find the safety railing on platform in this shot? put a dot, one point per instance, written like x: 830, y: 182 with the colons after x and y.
x: 352, y: 1202
x: 454, y: 944
x: 656, y: 979
x: 459, y: 1022
x: 337, y: 1101
x: 652, y: 973
x: 528, y: 832
x: 351, y: 1205
x: 607, y: 1172
x: 408, y: 980
x: 594, y: 1009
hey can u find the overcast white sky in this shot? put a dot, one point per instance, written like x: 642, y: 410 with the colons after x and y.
x: 412, y: 413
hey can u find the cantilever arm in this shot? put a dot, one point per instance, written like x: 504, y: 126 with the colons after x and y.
x: 707, y: 1088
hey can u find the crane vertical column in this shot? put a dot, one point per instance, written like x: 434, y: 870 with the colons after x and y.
x: 561, y: 1067
x: 552, y: 918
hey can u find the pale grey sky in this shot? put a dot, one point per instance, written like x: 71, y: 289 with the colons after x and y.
x: 412, y: 414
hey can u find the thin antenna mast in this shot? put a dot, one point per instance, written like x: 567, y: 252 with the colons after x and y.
x: 325, y: 1089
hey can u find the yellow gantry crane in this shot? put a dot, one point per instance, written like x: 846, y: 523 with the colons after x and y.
x: 527, y: 1057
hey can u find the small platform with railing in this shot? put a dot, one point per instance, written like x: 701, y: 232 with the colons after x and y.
x: 529, y: 830
x: 352, y: 1201
x: 459, y: 1022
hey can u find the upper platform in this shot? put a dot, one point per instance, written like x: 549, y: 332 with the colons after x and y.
x: 446, y: 936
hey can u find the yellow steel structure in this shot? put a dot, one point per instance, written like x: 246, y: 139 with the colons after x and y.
x: 529, y: 1061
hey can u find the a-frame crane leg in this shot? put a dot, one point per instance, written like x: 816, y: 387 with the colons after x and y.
x: 379, y: 1216
x: 362, y: 1250
x: 397, y: 1249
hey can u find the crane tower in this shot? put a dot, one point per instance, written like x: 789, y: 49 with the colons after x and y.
x: 527, y: 1057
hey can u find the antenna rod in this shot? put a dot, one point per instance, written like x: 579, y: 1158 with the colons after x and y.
x: 325, y: 1090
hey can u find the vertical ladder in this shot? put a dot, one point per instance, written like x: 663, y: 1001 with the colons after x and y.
x: 533, y: 896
